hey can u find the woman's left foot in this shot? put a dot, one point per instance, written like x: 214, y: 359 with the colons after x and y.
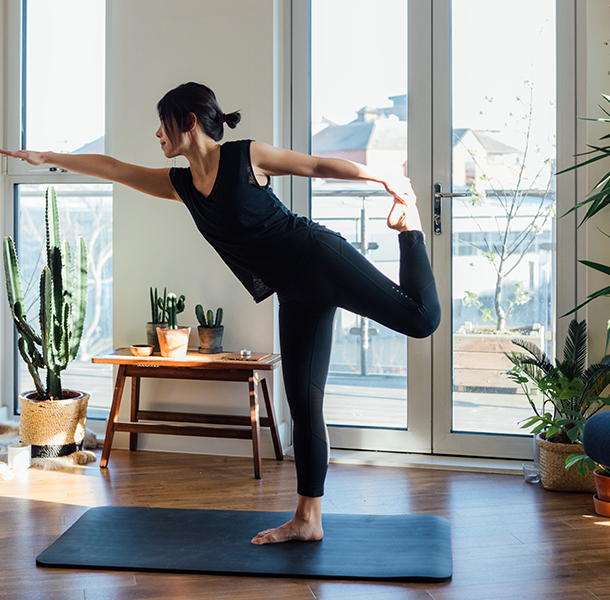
x: 404, y: 217
x: 303, y: 531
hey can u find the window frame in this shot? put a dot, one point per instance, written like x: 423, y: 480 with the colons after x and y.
x: 15, y: 173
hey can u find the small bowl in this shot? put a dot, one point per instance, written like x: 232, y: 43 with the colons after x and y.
x: 142, y: 349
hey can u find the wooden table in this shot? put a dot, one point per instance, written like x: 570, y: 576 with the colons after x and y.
x: 208, y: 367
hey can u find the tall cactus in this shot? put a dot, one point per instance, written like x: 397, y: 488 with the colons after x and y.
x: 63, y: 303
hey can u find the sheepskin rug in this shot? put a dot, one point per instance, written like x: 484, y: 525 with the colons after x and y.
x: 9, y: 434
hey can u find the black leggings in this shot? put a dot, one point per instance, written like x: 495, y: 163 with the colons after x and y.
x: 339, y: 276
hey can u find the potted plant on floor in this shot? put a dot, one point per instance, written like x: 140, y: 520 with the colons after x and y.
x: 173, y: 340
x: 571, y: 394
x: 52, y: 418
x: 596, y: 443
x: 210, y: 330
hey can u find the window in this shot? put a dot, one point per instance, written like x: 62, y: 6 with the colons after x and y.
x: 56, y: 84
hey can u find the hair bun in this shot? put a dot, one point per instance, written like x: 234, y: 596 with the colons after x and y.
x: 232, y: 119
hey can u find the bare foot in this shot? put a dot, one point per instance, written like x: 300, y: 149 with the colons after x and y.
x: 293, y: 530
x: 305, y: 526
x: 404, y: 217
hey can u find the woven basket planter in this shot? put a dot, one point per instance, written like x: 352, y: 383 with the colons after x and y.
x: 53, y: 427
x: 553, y: 473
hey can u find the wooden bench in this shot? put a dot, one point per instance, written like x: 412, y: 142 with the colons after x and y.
x: 206, y: 367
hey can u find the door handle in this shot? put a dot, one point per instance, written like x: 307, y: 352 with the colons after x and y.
x: 438, y: 197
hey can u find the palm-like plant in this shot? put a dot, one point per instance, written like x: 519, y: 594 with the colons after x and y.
x: 598, y: 199
x: 572, y: 390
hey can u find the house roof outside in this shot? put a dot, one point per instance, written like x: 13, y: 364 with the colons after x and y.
x: 487, y: 139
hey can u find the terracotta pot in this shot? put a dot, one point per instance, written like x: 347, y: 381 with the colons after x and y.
x: 601, y: 507
x: 553, y: 474
x: 602, y: 484
x: 151, y: 334
x: 53, y: 427
x: 210, y: 339
x: 173, y: 343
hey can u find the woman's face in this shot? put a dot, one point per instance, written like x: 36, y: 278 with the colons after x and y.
x: 169, y: 145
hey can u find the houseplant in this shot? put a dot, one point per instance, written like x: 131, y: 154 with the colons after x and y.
x: 571, y: 395
x: 52, y: 419
x: 210, y: 330
x: 158, y: 317
x: 598, y: 199
x: 173, y: 340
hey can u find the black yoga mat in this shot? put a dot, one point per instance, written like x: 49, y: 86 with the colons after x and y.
x: 363, y: 547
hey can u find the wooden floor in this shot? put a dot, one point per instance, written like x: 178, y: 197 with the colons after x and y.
x: 510, y: 539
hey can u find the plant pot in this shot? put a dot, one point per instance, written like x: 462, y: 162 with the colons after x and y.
x: 553, y: 473
x: 602, y: 485
x: 53, y: 427
x: 210, y: 339
x: 151, y: 334
x: 602, y: 507
x: 173, y: 343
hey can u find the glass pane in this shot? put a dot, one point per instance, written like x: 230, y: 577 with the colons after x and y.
x: 84, y: 210
x: 504, y: 233
x: 64, y: 86
x: 359, y: 85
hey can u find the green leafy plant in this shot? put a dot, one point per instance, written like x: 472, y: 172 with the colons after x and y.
x: 571, y: 391
x: 597, y: 199
x: 207, y: 319
x: 63, y: 304
x: 519, y: 297
x: 174, y: 307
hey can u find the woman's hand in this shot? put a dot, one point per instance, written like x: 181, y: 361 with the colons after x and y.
x: 32, y: 158
x: 400, y: 188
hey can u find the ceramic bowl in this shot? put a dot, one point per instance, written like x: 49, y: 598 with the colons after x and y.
x: 142, y: 349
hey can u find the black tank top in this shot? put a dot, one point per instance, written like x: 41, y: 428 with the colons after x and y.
x: 262, y: 242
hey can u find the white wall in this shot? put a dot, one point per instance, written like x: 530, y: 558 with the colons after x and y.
x: 154, y: 46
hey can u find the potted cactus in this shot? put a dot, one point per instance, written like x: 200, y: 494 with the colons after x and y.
x: 52, y: 418
x: 210, y: 330
x: 173, y: 340
x: 159, y: 317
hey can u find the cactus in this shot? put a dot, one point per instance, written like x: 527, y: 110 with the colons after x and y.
x: 158, y: 306
x: 63, y: 303
x: 174, y: 307
x: 207, y: 319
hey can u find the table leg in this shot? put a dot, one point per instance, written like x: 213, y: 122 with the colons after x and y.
x: 135, y: 407
x: 114, y: 415
x: 275, y: 436
x: 256, y: 427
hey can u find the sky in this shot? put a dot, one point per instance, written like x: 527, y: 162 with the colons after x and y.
x: 359, y: 57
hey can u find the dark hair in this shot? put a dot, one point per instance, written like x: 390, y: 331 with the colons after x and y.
x: 200, y: 100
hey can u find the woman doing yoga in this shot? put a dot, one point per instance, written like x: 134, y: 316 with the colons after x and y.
x: 312, y: 269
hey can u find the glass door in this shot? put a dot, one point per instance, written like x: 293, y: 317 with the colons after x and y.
x: 498, y: 234
x: 359, y: 76
x: 462, y: 97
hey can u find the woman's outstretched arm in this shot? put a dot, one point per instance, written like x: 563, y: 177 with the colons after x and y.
x: 271, y: 161
x: 155, y: 182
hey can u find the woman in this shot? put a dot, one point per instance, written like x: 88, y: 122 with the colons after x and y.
x: 312, y: 269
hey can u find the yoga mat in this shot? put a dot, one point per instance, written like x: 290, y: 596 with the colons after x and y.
x: 362, y: 547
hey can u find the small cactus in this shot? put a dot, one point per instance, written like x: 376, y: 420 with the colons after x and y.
x: 174, y: 307
x: 207, y: 319
x: 158, y: 306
